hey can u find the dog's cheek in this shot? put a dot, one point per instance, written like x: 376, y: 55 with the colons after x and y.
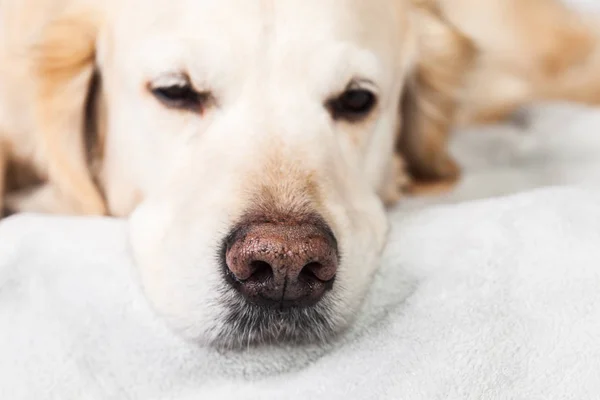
x: 361, y: 236
x: 180, y: 280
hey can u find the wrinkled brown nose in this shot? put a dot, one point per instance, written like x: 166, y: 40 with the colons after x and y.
x: 282, y: 265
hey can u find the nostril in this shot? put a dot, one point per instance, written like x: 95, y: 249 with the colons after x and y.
x: 261, y: 271
x: 318, y: 271
x: 310, y: 271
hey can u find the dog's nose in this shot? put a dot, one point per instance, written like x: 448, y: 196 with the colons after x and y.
x: 282, y: 265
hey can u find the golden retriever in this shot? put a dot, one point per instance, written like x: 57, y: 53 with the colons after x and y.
x: 254, y: 144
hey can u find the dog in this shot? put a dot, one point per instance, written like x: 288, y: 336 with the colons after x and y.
x: 255, y: 145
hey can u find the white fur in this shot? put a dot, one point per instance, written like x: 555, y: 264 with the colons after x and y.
x: 270, y: 77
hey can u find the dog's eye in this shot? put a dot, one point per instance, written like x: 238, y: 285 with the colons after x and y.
x: 352, y: 105
x: 180, y: 96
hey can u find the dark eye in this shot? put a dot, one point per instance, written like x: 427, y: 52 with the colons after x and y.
x: 180, y: 96
x: 352, y: 105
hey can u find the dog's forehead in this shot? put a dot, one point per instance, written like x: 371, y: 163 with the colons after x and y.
x: 365, y: 22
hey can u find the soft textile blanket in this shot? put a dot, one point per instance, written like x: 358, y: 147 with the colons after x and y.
x: 487, y: 299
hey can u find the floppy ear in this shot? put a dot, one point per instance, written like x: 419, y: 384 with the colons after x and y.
x: 432, y: 97
x: 63, y: 62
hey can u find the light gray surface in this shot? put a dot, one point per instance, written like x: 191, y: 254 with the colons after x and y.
x: 556, y: 144
x: 491, y: 299
x: 495, y: 299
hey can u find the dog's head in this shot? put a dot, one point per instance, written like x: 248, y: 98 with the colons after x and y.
x: 250, y: 142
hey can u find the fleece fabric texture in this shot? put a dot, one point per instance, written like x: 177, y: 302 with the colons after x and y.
x: 497, y: 299
x: 476, y: 298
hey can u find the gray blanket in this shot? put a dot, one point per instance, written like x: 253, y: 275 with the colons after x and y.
x: 494, y: 299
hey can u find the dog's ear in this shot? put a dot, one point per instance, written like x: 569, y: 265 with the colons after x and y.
x: 63, y: 67
x: 432, y: 96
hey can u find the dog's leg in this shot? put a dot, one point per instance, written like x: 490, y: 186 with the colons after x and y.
x: 528, y: 51
x: 44, y: 198
x: 430, y: 102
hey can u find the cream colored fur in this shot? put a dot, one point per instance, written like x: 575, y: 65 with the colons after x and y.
x: 266, y: 138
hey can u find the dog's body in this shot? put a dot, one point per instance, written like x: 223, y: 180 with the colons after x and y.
x: 237, y: 139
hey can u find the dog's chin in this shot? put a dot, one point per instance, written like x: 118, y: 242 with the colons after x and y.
x: 246, y: 324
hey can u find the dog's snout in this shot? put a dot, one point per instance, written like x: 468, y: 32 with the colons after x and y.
x: 282, y: 265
